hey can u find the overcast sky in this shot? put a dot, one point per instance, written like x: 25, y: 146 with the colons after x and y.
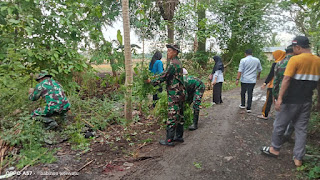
x: 111, y: 34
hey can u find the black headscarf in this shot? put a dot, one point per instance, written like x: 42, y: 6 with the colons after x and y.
x: 157, y: 56
x: 218, y: 64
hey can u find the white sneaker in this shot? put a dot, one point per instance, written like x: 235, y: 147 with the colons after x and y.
x: 213, y: 103
x: 248, y: 111
x: 242, y: 107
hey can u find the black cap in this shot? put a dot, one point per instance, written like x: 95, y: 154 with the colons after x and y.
x: 175, y: 47
x: 302, y: 41
x: 248, y: 51
x: 289, y: 49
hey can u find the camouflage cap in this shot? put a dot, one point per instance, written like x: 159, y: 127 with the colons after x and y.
x: 42, y: 74
x: 175, y: 47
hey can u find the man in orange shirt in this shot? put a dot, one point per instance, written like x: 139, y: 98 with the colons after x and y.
x: 294, y: 103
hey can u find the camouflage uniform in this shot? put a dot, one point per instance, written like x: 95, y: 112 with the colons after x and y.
x: 279, y: 70
x: 278, y: 75
x: 56, y: 100
x: 195, y: 89
x: 175, y: 90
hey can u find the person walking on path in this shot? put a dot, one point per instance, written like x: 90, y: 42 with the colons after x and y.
x: 173, y: 76
x: 278, y: 56
x: 279, y: 69
x: 156, y: 67
x: 294, y: 102
x: 249, y: 71
x: 195, y: 89
x: 57, y: 103
x: 217, y: 80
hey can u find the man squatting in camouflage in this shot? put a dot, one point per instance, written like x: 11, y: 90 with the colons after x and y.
x: 279, y: 69
x: 173, y: 76
x: 195, y: 89
x: 56, y: 100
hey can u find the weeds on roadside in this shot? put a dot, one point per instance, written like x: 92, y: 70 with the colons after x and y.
x: 161, y: 110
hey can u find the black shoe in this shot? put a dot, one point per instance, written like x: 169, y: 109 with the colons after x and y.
x: 169, y: 139
x: 178, y: 140
x: 168, y: 142
x: 194, y: 126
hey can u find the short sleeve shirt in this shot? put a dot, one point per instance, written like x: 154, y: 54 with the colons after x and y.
x: 304, y: 70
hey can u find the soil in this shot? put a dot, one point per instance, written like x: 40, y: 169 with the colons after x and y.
x: 225, y: 146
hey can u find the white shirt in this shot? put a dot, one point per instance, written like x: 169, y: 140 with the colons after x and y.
x: 218, y: 74
x: 249, y: 66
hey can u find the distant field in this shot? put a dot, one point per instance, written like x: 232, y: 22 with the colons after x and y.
x: 105, y: 68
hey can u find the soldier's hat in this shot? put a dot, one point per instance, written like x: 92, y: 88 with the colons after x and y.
x: 174, y: 46
x: 42, y: 74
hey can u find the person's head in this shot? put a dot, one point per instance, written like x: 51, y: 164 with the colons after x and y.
x: 300, y: 44
x: 278, y: 55
x: 42, y: 76
x: 248, y: 52
x: 216, y: 59
x: 173, y: 50
x: 157, y: 55
x: 289, y: 50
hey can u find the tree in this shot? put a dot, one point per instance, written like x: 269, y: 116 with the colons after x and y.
x: 128, y: 60
x: 243, y: 24
x: 201, y: 11
x: 306, y: 16
x: 167, y: 9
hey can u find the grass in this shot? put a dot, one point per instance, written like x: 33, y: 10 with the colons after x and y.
x: 311, y: 164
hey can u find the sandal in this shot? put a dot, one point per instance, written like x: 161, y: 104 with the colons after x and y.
x: 262, y: 117
x: 297, y: 162
x: 266, y: 151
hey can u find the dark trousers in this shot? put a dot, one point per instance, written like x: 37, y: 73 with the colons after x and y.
x: 217, y: 89
x: 244, y: 88
x: 267, y: 105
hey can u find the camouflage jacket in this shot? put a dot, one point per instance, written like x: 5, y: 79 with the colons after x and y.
x: 279, y: 69
x: 174, y: 79
x: 192, y: 85
x: 52, y: 92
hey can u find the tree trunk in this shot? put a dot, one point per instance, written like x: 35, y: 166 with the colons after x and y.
x: 114, y: 73
x: 128, y: 60
x: 170, y: 36
x: 201, y: 51
x: 170, y: 32
x: 201, y: 27
x: 142, y: 51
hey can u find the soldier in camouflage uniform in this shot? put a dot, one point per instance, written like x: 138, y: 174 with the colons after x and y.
x: 56, y: 100
x: 279, y: 69
x: 176, y: 95
x: 195, y: 89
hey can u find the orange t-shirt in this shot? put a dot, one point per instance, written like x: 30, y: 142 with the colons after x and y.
x: 304, y: 70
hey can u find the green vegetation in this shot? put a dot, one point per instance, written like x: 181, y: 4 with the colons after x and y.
x: 65, y: 37
x: 311, y: 163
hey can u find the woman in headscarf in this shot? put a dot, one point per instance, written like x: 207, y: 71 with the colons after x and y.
x: 278, y: 56
x: 156, y: 67
x: 217, y: 80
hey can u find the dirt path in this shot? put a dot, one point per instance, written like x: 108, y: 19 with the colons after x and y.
x: 226, y: 146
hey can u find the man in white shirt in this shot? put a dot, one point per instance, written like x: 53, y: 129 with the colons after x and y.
x: 249, y: 71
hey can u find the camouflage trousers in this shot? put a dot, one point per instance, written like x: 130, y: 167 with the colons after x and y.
x: 196, y: 98
x: 175, y: 111
x: 48, y: 118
